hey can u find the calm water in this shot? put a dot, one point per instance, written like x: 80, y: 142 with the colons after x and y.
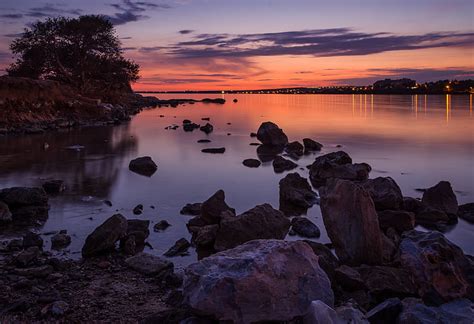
x: 416, y: 140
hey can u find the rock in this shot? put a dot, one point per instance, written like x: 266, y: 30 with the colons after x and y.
x: 311, y: 146
x: 413, y: 205
x: 204, y: 141
x: 108, y: 203
x: 60, y: 241
x: 385, y: 193
x: 212, y: 208
x: 143, y: 166
x: 206, y: 118
x: 433, y: 218
x: 458, y: 311
x: 150, y: 265
x: 104, y: 237
x: 205, y: 236
x: 26, y: 205
x: 441, y: 270
x: 281, y: 164
x: 261, y: 280
x: 295, y: 149
x: 189, y: 127
x: 389, y: 247
x: 191, y: 209
x: 32, y: 239
x: 27, y: 256
x: 267, y: 153
x: 305, y: 228
x: 218, y: 150
x: 296, y: 195
x: 54, y: 187
x: 441, y: 197
x: 350, y: 314
x: 138, y: 209
x: 220, y: 101
x: 351, y: 222
x: 5, y: 214
x: 386, y: 312
x: 339, y: 157
x: 320, y: 173
x: 179, y: 248
x: 349, y: 278
x: 465, y: 212
x: 161, y: 226
x: 59, y: 308
x: 128, y: 245
x: 260, y: 222
x: 251, y: 163
x: 186, y: 121
x: 327, y: 260
x: 270, y: 134
x: 398, y: 219
x: 320, y: 313
x: 235, y: 100
x: 137, y: 233
x: 208, y: 128
x: 35, y: 272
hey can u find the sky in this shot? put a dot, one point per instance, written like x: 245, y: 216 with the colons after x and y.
x: 230, y: 44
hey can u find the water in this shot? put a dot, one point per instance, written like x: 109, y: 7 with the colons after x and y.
x: 417, y: 140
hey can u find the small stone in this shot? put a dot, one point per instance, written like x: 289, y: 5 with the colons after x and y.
x: 281, y: 164
x: 251, y: 163
x: 32, y: 239
x: 60, y: 240
x: 138, y: 209
x: 191, y: 209
x: 54, y: 187
x: 161, y: 226
x: 179, y: 248
x: 204, y: 141
x: 150, y: 265
x: 218, y: 150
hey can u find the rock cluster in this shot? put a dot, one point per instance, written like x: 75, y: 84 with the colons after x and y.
x: 23, y: 206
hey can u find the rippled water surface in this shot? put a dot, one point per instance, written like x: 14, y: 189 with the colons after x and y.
x: 417, y: 140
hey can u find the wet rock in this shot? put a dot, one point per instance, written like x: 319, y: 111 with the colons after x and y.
x: 60, y: 241
x: 260, y: 222
x: 205, y: 236
x: 400, y: 220
x: 385, y: 193
x: 441, y: 270
x: 104, y: 237
x: 180, y: 247
x: 253, y: 134
x: 458, y: 311
x: 54, y: 187
x: 206, y: 118
x: 212, y: 208
x: 189, y: 127
x: 143, y: 166
x: 465, y: 212
x: 26, y: 205
x: 138, y: 209
x: 161, y: 226
x: 412, y: 205
x: 320, y: 173
x: 351, y: 222
x: 220, y: 101
x: 204, y: 141
x: 108, y: 203
x: 270, y: 134
x: 235, y: 100
x: 296, y: 195
x: 27, y: 256
x: 281, y: 164
x: 386, y: 312
x: 150, y: 265
x: 441, y: 197
x: 32, y: 239
x: 304, y: 227
x: 272, y: 280
x: 327, y: 260
x: 5, y: 214
x: 295, y: 149
x: 311, y: 146
x: 186, y: 121
x: 433, y: 218
x: 251, y: 163
x: 191, y: 209
x: 267, y: 153
x: 208, y: 128
x: 214, y: 150
x: 348, y: 278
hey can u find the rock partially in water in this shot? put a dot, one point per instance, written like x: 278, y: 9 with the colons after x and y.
x: 311, y: 145
x: 260, y: 222
x: 213, y: 207
x: 295, y: 149
x: 105, y: 236
x: 204, y: 141
x: 217, y: 150
x: 161, y: 226
x: 205, y: 236
x: 458, y: 311
x: 253, y: 134
x: 32, y: 239
x: 60, y: 240
x: 54, y: 187
x: 441, y: 197
x: 251, y: 163
x: 385, y: 193
x: 189, y: 127
x: 465, y: 212
x: 138, y: 209
x: 180, y: 247
x: 296, y: 195
x: 400, y: 220
x: 191, y: 209
x: 261, y: 280
x: 150, y: 265
x: 26, y: 205
x: 267, y: 153
x: 441, y: 270
x: 219, y: 101
x: 137, y: 233
x: 208, y: 128
x: 281, y: 164
x: 351, y: 222
x: 270, y: 134
x: 143, y: 166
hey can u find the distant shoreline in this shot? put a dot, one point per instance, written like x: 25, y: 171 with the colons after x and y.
x: 260, y: 92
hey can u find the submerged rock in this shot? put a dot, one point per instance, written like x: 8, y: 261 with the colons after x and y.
x: 281, y: 164
x: 189, y: 127
x: 296, y: 195
x: 261, y: 280
x: 267, y: 153
x: 138, y: 209
x: 270, y: 134
x: 351, y: 222
x: 204, y: 141
x: 161, y: 226
x: 208, y: 128
x: 60, y: 240
x: 251, y: 163
x: 385, y: 193
x: 143, y: 166
x: 104, y: 237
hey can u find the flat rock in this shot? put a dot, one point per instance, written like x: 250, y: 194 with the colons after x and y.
x: 143, y: 166
x: 385, y: 193
x: 295, y: 194
x: 281, y: 164
x: 150, y: 265
x: 204, y: 141
x: 104, y: 237
x: 270, y: 134
x: 305, y: 228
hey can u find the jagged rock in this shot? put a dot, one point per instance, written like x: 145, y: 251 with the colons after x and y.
x: 351, y: 222
x: 143, y: 166
x: 270, y: 134
x: 218, y: 150
x: 208, y: 128
x: 305, y: 228
x: 386, y: 312
x: 441, y: 270
x: 150, y: 265
x: 295, y: 149
x: 267, y: 153
x: 180, y: 247
x: 311, y: 146
x: 261, y: 280
x: 327, y: 260
x: 60, y: 240
x: 104, y: 237
x: 400, y: 220
x: 191, y: 209
x: 212, y: 208
x: 138, y: 209
x: 296, y: 195
x: 161, y: 225
x: 260, y: 222
x: 251, y: 163
x: 205, y: 236
x: 385, y: 193
x: 32, y: 239
x: 281, y: 164
x: 54, y: 187
x: 26, y: 205
x: 5, y: 214
x: 441, y: 197
x: 465, y: 212
x: 414, y: 311
x: 348, y: 278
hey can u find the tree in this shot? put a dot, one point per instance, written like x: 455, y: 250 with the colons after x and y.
x: 82, y: 52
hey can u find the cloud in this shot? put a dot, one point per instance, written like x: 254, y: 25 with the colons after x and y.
x: 318, y: 43
x: 14, y: 35
x: 50, y: 10
x: 186, y: 31
x: 11, y: 16
x: 304, y: 72
x: 129, y: 11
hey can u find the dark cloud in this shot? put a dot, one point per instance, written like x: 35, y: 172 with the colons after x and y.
x: 186, y: 31
x: 129, y: 11
x: 151, y: 49
x: 320, y: 43
x: 11, y: 16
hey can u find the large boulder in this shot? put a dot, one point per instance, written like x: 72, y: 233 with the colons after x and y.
x: 296, y: 195
x: 441, y: 270
x: 460, y: 311
x: 260, y: 222
x: 212, y: 208
x: 351, y: 222
x: 104, y: 237
x: 441, y: 197
x: 26, y: 205
x: 385, y: 193
x: 261, y: 280
x: 143, y: 166
x: 270, y: 134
